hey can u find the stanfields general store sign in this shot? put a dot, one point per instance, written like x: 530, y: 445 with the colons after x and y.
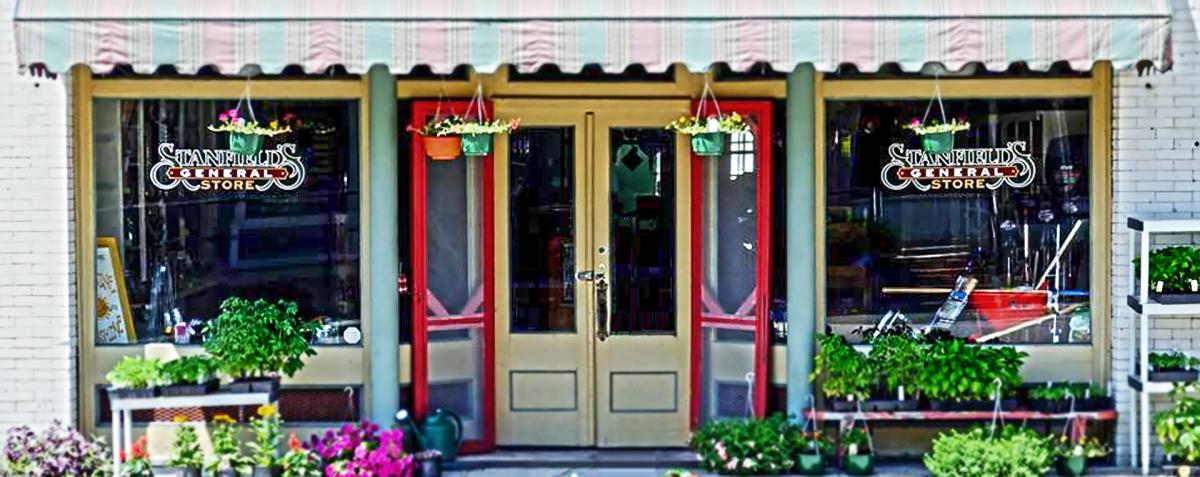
x: 225, y: 170
x: 957, y: 169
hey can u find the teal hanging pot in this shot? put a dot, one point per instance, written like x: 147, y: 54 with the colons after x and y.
x: 245, y: 144
x: 810, y: 464
x: 708, y: 143
x: 862, y: 464
x: 1072, y: 466
x: 937, y: 143
x: 476, y: 144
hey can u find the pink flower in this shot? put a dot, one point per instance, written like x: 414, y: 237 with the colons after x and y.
x: 915, y: 122
x: 233, y: 113
x: 223, y: 117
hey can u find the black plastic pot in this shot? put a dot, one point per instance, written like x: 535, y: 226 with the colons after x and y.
x: 272, y: 471
x: 187, y: 471
x: 971, y: 405
x: 1174, y: 376
x: 255, y: 385
x: 228, y: 473
x: 114, y: 393
x: 1052, y: 406
x: 191, y: 389
x: 874, y: 405
x: 1176, y: 298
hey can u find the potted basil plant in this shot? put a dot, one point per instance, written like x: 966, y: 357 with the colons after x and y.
x: 134, y: 377
x: 189, y: 376
x: 1174, y: 274
x: 1173, y: 366
x: 257, y: 341
x: 708, y: 134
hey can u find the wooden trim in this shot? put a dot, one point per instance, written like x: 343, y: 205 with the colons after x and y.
x: 992, y: 88
x: 1100, y: 221
x: 819, y: 202
x: 498, y: 85
x: 364, y: 242
x: 199, y: 89
x: 85, y: 252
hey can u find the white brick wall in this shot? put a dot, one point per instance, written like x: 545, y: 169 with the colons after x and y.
x: 1156, y: 166
x: 37, y: 332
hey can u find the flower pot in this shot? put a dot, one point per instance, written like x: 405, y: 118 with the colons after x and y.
x: 810, y: 464
x: 191, y: 389
x: 227, y: 472
x: 937, y: 143
x: 708, y: 144
x: 272, y: 471
x: 1174, y: 376
x: 245, y: 144
x: 141, y: 393
x: 862, y: 464
x: 1176, y: 298
x: 187, y: 471
x: 971, y: 405
x: 1051, y: 406
x: 476, y: 144
x: 1073, y: 466
x: 442, y: 148
x: 255, y: 385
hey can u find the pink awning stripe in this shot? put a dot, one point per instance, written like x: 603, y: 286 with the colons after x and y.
x: 486, y: 34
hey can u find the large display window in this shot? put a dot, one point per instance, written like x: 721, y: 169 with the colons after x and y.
x: 989, y: 239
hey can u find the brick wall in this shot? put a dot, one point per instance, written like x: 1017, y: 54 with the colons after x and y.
x: 1156, y: 165
x: 37, y: 332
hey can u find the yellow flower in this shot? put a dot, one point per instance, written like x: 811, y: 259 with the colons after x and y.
x: 223, y: 418
x: 274, y: 124
x: 266, y: 410
x: 180, y: 418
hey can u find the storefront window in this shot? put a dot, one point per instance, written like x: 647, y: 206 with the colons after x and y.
x: 182, y: 223
x: 1000, y: 222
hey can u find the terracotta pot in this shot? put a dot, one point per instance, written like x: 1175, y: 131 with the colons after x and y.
x: 442, y: 148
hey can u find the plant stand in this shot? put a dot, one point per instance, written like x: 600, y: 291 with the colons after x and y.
x: 122, y: 413
x: 1145, y: 306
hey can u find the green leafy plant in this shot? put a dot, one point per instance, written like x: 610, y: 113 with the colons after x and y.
x: 439, y: 127
x: 300, y: 462
x: 731, y: 123
x: 1173, y: 361
x: 189, y: 370
x: 185, y: 450
x: 1085, y: 446
x: 900, y: 358
x: 135, y: 372
x: 978, y: 452
x: 847, y: 372
x: 226, y: 448
x: 1174, y: 267
x: 921, y: 129
x: 955, y: 370
x: 748, y: 447
x: 814, y: 442
x: 1177, y: 427
x: 267, y: 433
x: 1063, y: 391
x: 495, y: 126
x: 259, y: 338
x: 856, y: 441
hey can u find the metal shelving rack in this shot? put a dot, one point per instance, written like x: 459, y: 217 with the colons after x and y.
x: 1138, y: 300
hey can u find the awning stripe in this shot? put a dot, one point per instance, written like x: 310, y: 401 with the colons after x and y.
x: 317, y: 34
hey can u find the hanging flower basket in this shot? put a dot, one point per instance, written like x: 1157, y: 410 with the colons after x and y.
x: 1072, y: 466
x: 475, y: 145
x: 477, y: 135
x: 708, y: 144
x: 810, y: 464
x: 245, y: 144
x: 442, y: 148
x: 246, y: 137
x: 862, y: 464
x: 937, y: 143
x: 937, y: 137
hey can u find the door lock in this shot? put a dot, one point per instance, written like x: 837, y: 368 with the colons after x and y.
x: 585, y: 276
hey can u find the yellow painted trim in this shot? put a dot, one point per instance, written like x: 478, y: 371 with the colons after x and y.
x: 188, y: 88
x: 1101, y: 221
x: 498, y: 85
x: 996, y: 88
x: 819, y: 199
x: 85, y: 254
x: 364, y: 243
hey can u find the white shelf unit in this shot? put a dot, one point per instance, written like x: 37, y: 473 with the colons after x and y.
x: 1139, y: 301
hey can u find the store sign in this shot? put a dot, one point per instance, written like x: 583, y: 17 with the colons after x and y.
x: 970, y: 168
x: 224, y: 170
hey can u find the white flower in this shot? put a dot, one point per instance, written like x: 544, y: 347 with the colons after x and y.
x: 713, y: 125
x: 1078, y: 450
x: 852, y: 450
x: 747, y: 463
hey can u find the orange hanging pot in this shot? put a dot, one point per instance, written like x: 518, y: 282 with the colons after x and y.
x: 442, y: 148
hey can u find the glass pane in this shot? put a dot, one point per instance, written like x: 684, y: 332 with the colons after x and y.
x: 730, y: 230
x: 541, y: 195
x: 900, y: 246
x: 728, y: 366
x: 182, y: 243
x: 643, y: 230
x: 454, y: 232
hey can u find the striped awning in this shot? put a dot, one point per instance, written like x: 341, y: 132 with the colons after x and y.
x: 442, y: 34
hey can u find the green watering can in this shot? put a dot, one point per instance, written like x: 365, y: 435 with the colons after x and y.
x: 442, y: 432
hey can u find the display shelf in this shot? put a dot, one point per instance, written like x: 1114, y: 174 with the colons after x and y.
x: 1105, y: 415
x: 1151, y: 387
x: 1138, y: 300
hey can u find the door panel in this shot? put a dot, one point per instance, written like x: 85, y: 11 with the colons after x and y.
x: 590, y: 269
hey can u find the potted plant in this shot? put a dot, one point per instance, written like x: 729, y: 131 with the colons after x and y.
x: 989, y: 452
x: 257, y: 341
x: 858, y: 457
x: 708, y: 134
x: 55, y: 450
x: 134, y: 377
x: 1177, y: 430
x: 264, y: 451
x: 1174, y: 274
x: 186, y: 456
x: 1072, y: 455
x: 900, y: 358
x: 959, y: 376
x: 245, y: 137
x: 937, y: 137
x: 812, y: 452
x: 137, y: 462
x: 747, y: 446
x: 1055, y: 398
x: 189, y: 376
x: 848, y: 374
x: 477, y: 134
x: 361, y: 449
x: 225, y: 460
x: 300, y: 462
x: 1173, y: 366
x: 438, y: 137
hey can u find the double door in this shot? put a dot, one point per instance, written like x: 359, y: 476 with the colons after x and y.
x: 592, y: 274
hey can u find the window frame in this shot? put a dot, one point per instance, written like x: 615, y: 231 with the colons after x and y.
x: 1047, y: 361
x: 336, y: 365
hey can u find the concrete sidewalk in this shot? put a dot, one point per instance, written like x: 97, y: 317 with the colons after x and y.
x: 891, y: 470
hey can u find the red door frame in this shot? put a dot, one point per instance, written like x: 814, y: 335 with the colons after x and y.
x: 421, y: 326
x: 760, y: 115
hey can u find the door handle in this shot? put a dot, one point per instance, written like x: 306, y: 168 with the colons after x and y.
x: 585, y: 276
x: 602, y: 330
